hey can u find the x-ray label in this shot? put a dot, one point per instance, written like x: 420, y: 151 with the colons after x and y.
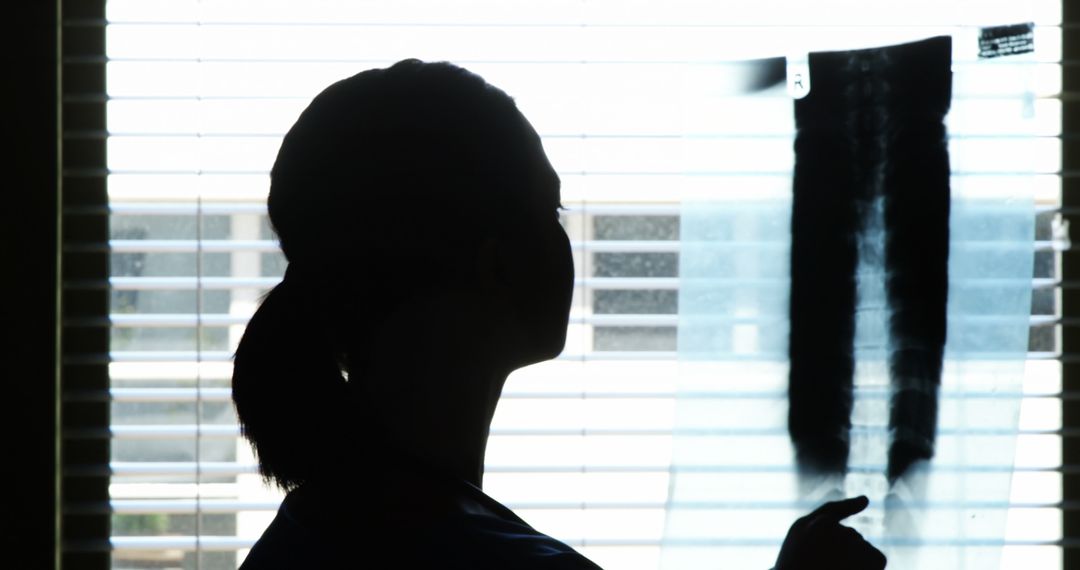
x: 798, y: 76
x: 1006, y: 40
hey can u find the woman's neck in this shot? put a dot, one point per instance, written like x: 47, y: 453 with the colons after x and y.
x: 432, y: 377
x: 435, y: 410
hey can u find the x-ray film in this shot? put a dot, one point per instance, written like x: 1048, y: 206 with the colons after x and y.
x: 859, y: 323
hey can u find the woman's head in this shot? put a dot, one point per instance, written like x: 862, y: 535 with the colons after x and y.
x: 395, y: 185
x: 380, y: 158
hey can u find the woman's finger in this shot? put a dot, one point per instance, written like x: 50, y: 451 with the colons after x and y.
x: 836, y: 511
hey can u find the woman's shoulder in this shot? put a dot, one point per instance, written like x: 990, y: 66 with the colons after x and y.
x: 489, y: 537
x: 493, y: 542
x: 287, y: 544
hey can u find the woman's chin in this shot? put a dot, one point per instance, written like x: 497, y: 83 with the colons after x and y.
x: 544, y: 349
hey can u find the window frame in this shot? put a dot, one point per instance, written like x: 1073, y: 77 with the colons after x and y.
x: 30, y: 252
x: 83, y: 289
x: 1070, y: 294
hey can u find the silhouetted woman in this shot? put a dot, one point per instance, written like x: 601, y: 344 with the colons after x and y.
x: 419, y: 216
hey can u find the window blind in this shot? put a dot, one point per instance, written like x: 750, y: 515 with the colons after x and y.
x: 85, y: 228
x: 196, y: 106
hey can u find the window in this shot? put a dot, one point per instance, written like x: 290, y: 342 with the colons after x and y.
x: 580, y: 446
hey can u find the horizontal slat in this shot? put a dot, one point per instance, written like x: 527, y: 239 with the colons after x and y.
x: 161, y: 468
x: 257, y: 206
x: 140, y: 320
x: 192, y: 283
x: 225, y: 356
x: 479, y: 60
x: 178, y: 283
x: 619, y: 283
x: 122, y: 320
x: 102, y: 135
x: 372, y: 62
x: 126, y: 320
x: 562, y: 173
x: 203, y: 543
x: 90, y: 98
x: 183, y: 431
x: 228, y: 506
x: 180, y: 246
x: 211, y: 246
x: 525, y: 59
x: 209, y: 543
x: 596, y: 13
x: 170, y: 209
x: 186, y: 469
x: 529, y: 20
x: 178, y: 356
x: 1043, y: 13
x: 184, y: 395
x: 591, y: 246
x: 170, y: 506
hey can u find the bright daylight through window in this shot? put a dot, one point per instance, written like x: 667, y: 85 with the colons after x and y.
x: 642, y: 108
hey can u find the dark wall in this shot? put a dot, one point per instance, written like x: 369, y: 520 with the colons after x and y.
x: 28, y: 284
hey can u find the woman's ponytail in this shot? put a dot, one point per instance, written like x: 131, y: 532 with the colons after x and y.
x: 287, y: 386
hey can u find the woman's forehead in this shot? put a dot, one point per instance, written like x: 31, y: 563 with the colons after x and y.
x: 546, y: 180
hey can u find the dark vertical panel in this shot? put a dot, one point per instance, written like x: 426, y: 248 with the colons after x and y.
x: 1070, y: 336
x: 29, y: 241
x: 85, y: 461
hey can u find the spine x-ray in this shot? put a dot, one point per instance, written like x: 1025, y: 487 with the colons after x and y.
x: 870, y: 201
x: 855, y: 320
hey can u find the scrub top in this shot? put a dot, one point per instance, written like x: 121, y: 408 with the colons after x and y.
x: 491, y: 537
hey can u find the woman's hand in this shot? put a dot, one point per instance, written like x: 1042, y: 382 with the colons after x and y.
x: 818, y: 540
